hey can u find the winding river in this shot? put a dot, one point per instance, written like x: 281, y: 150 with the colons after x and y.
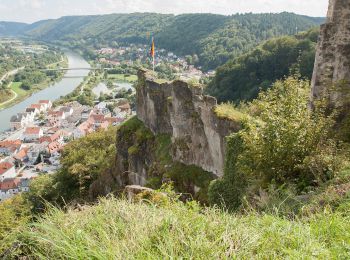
x: 71, y: 80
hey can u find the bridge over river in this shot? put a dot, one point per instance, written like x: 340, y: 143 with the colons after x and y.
x: 77, y: 70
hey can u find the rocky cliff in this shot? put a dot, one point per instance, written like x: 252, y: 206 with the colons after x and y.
x: 176, y: 136
x: 332, y: 64
x: 183, y: 112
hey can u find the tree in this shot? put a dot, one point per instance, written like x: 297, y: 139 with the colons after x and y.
x: 282, y: 142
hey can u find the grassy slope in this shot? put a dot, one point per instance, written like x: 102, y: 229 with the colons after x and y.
x: 123, y: 77
x: 116, y: 229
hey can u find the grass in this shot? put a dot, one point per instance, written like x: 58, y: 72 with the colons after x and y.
x: 228, y: 111
x: 16, y: 87
x: 123, y: 77
x: 117, y: 229
x: 5, y: 94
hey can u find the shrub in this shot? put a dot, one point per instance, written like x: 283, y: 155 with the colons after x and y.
x: 283, y: 142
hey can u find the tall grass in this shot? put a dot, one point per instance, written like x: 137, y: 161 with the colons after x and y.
x: 117, y: 229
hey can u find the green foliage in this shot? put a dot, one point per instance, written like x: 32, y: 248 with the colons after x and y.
x: 243, y: 78
x: 229, y: 190
x: 209, y: 39
x: 119, y: 229
x: 41, y: 191
x: 228, y: 111
x: 15, y: 214
x: 283, y: 142
x: 82, y: 160
x: 140, y: 143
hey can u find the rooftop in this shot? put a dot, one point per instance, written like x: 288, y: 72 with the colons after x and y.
x: 4, y: 167
x: 32, y: 130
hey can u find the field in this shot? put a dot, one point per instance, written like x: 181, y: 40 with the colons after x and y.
x: 123, y: 77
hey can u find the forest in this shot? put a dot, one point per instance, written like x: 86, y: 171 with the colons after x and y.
x: 242, y: 79
x: 213, y: 38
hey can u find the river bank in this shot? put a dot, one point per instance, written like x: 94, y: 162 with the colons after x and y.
x: 21, y: 94
x: 67, y: 84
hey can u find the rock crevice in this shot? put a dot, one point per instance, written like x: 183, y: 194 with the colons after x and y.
x: 332, y: 63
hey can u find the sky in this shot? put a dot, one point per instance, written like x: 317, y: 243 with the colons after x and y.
x: 34, y: 10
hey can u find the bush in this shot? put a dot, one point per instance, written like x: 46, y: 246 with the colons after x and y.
x: 282, y: 142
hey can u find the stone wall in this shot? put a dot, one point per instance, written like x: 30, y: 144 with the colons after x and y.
x: 182, y: 111
x: 332, y: 64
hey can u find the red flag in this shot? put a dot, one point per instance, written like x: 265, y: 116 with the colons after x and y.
x: 152, y: 52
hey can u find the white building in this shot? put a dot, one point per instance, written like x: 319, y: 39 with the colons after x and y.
x: 21, y: 120
x: 32, y: 134
x: 7, y: 170
x: 47, y: 104
x: 68, y: 111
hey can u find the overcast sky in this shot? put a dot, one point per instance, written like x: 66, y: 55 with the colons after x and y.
x: 34, y: 10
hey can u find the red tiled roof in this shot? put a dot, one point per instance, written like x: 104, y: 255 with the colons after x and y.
x: 56, y: 113
x: 9, y: 184
x: 9, y: 143
x: 54, y: 147
x: 32, y: 130
x: 22, y: 153
x: 97, y: 118
x: 4, y: 167
x: 38, y: 106
x: 51, y: 138
x: 44, y: 101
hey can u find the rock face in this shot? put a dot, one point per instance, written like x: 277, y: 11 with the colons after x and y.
x: 332, y: 64
x: 183, y: 112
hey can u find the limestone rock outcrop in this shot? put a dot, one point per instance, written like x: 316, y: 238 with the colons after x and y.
x: 332, y: 63
x: 184, y: 112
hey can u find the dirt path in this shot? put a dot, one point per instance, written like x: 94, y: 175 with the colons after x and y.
x: 11, y: 99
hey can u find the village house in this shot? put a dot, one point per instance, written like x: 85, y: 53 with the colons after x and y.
x: 123, y: 110
x: 33, y: 111
x: 56, y: 115
x: 9, y: 187
x: 8, y: 147
x: 40, y: 107
x: 85, y: 114
x: 22, y: 156
x: 83, y: 129
x: 57, y: 136
x: 68, y: 111
x: 47, y: 104
x: 34, y: 152
x: 32, y: 134
x: 53, y: 148
x: 21, y: 120
x: 96, y: 120
x: 7, y: 170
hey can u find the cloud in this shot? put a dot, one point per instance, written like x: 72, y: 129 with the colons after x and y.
x: 34, y: 10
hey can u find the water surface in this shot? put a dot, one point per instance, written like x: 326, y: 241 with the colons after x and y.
x: 61, y: 88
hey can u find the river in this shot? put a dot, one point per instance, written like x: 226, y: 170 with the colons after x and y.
x: 61, y: 88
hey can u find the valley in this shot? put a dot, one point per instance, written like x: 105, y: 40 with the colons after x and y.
x: 176, y: 136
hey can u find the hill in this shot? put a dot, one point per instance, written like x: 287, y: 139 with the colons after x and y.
x: 11, y: 28
x: 213, y: 38
x: 242, y: 78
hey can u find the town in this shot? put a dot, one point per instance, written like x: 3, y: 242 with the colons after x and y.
x: 37, y: 136
x: 166, y: 62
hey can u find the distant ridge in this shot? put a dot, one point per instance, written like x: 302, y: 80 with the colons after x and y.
x: 214, y: 38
